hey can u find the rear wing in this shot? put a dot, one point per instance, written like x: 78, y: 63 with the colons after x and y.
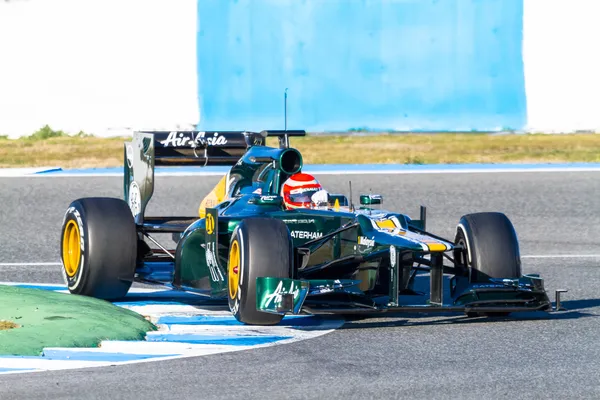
x: 148, y: 149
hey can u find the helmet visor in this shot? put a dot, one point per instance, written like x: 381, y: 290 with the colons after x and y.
x: 302, y: 195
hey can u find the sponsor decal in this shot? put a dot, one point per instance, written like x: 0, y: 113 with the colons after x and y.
x: 215, y: 140
x: 79, y: 225
x: 258, y: 191
x: 276, y: 296
x: 129, y: 152
x: 299, y: 221
x: 210, y: 224
x: 488, y: 286
x: 135, y: 199
x: 392, y: 255
x: 306, y: 235
x: 268, y: 198
x: 302, y: 190
x: 176, y: 139
x: 325, y: 289
x: 182, y: 139
x: 210, y: 203
x: 236, y: 304
x: 365, y: 241
x: 211, y: 262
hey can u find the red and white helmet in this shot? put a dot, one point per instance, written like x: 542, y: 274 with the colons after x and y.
x: 298, y: 190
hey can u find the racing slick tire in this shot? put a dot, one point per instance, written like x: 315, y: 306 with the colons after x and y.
x: 259, y: 247
x: 99, y: 247
x: 492, y: 248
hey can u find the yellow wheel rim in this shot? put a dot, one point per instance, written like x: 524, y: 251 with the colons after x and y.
x: 233, y: 269
x: 71, y: 248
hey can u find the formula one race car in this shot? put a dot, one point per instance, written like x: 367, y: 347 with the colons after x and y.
x: 268, y: 261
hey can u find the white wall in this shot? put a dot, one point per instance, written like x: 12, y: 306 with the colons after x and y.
x: 110, y: 66
x: 561, y: 53
x: 98, y: 66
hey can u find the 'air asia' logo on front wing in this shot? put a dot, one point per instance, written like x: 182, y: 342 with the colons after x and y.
x: 181, y: 139
x: 306, y: 235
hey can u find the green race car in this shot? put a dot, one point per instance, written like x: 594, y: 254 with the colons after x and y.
x: 268, y: 261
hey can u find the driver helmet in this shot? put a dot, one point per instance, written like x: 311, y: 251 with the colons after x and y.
x: 298, y: 189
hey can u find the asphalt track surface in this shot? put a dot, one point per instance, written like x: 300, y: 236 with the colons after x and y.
x: 529, y: 356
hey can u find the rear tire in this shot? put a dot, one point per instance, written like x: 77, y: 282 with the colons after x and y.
x: 260, y: 247
x: 99, y: 247
x: 492, y: 249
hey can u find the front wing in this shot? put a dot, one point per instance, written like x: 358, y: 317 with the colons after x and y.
x: 339, y: 296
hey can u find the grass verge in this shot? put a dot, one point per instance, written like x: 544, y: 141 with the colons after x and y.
x: 50, y: 319
x: 54, y: 148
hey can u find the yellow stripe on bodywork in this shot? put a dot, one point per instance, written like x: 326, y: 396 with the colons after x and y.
x: 437, y: 247
x: 386, y: 224
x: 215, y: 196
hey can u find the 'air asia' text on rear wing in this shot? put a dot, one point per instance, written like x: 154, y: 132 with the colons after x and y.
x: 202, y: 148
x: 184, y: 148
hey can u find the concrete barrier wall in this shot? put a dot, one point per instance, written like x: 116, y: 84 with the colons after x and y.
x: 111, y: 66
x: 411, y: 64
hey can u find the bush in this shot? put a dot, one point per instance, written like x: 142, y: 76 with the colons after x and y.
x: 45, y: 133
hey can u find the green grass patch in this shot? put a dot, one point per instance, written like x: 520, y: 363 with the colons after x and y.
x: 50, y: 319
x: 48, y: 147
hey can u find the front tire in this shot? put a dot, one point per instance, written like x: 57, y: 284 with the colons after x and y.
x: 492, y: 246
x: 492, y: 249
x: 99, y: 247
x: 260, y: 247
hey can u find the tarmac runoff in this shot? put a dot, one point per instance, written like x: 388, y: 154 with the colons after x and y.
x: 35, y: 319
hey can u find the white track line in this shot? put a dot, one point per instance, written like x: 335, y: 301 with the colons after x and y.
x: 563, y: 256
x: 33, y: 264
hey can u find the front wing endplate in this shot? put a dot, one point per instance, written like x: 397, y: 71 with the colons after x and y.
x: 280, y: 295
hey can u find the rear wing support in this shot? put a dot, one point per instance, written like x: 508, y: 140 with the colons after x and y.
x: 148, y: 149
x: 284, y: 141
